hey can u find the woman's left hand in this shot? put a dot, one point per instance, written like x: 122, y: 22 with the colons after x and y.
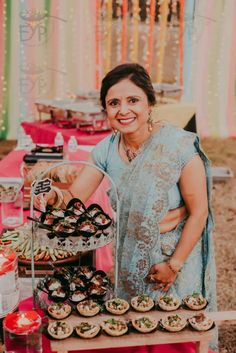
x: 162, y: 275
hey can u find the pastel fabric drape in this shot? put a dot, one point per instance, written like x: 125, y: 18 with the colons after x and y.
x: 211, y: 63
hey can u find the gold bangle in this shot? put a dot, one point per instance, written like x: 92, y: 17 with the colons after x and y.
x: 174, y: 270
x: 60, y: 197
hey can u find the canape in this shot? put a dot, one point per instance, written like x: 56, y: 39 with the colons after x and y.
x: 201, y: 322
x: 53, y: 284
x: 114, y: 327
x: 76, y: 206
x: 78, y: 283
x: 144, y: 324
x: 60, y: 329
x: 102, y: 220
x: 97, y: 291
x: 93, y: 209
x: 142, y: 303
x: 195, y: 301
x: 117, y: 306
x: 169, y: 302
x: 173, y: 323
x: 86, y: 228
x: 63, y: 228
x: 77, y: 296
x: 58, y: 295
x: 59, y: 310
x: 58, y: 212
x: 99, y: 278
x: 87, y: 271
x: 88, y: 308
x: 87, y: 330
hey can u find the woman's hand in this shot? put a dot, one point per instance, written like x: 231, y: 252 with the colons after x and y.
x: 162, y: 275
x: 42, y: 200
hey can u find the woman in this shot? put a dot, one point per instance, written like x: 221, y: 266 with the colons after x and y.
x: 158, y: 168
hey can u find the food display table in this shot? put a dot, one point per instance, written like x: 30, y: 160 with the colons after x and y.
x: 135, y: 339
x: 44, y: 132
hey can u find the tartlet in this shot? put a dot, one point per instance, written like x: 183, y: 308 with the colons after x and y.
x: 60, y: 329
x: 195, y: 301
x: 117, y: 306
x: 114, y: 327
x: 201, y: 322
x: 59, y: 311
x: 87, y: 330
x: 142, y: 303
x: 173, y: 323
x: 88, y: 308
x: 169, y: 302
x: 144, y: 324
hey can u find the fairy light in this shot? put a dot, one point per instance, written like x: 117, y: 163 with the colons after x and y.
x: 118, y: 29
x: 4, y: 82
x: 134, y: 29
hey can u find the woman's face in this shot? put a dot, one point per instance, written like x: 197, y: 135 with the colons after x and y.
x: 127, y: 107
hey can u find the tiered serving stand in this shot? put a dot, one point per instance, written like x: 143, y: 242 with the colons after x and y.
x: 75, y: 244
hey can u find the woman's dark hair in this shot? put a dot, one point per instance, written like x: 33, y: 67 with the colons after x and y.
x: 135, y: 73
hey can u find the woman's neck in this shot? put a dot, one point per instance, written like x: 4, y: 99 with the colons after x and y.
x: 136, y: 139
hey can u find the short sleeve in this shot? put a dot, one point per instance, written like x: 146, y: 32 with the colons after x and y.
x: 189, y: 149
x: 100, y: 153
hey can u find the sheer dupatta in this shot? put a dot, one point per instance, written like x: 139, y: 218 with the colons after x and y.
x: 143, y: 193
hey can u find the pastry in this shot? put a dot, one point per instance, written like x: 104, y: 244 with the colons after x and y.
x: 117, y: 306
x: 168, y: 302
x: 59, y: 310
x: 88, y: 308
x: 142, y: 303
x: 114, y: 327
x: 60, y: 329
x: 173, y: 323
x: 144, y: 324
x: 195, y: 301
x: 201, y: 322
x: 87, y: 330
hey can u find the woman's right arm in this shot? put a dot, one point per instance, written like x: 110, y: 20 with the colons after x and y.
x: 83, y: 187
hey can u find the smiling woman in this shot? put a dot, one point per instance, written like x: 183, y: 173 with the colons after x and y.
x: 162, y: 176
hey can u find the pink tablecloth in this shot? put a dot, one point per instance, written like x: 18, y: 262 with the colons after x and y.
x: 167, y: 348
x: 10, y: 167
x: 43, y: 132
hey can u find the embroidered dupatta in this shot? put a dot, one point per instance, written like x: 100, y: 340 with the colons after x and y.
x: 143, y: 193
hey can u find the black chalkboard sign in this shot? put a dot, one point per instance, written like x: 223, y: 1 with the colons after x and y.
x: 42, y: 186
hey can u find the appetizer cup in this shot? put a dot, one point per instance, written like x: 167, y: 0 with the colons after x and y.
x: 22, y: 332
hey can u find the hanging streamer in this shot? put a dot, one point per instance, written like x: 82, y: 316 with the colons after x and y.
x: 135, y: 34
x: 181, y: 41
x: 150, y: 39
x: 118, y: 30
x: 162, y: 36
x: 6, y: 72
x: 2, y: 43
x: 107, y: 35
x: 97, y: 45
x: 188, y: 48
x: 124, y: 31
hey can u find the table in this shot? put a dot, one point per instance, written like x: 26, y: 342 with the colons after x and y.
x: 10, y: 167
x: 146, y: 340
x: 44, y: 132
x: 133, y: 339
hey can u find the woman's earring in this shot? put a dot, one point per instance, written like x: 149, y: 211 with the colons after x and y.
x: 150, y: 121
